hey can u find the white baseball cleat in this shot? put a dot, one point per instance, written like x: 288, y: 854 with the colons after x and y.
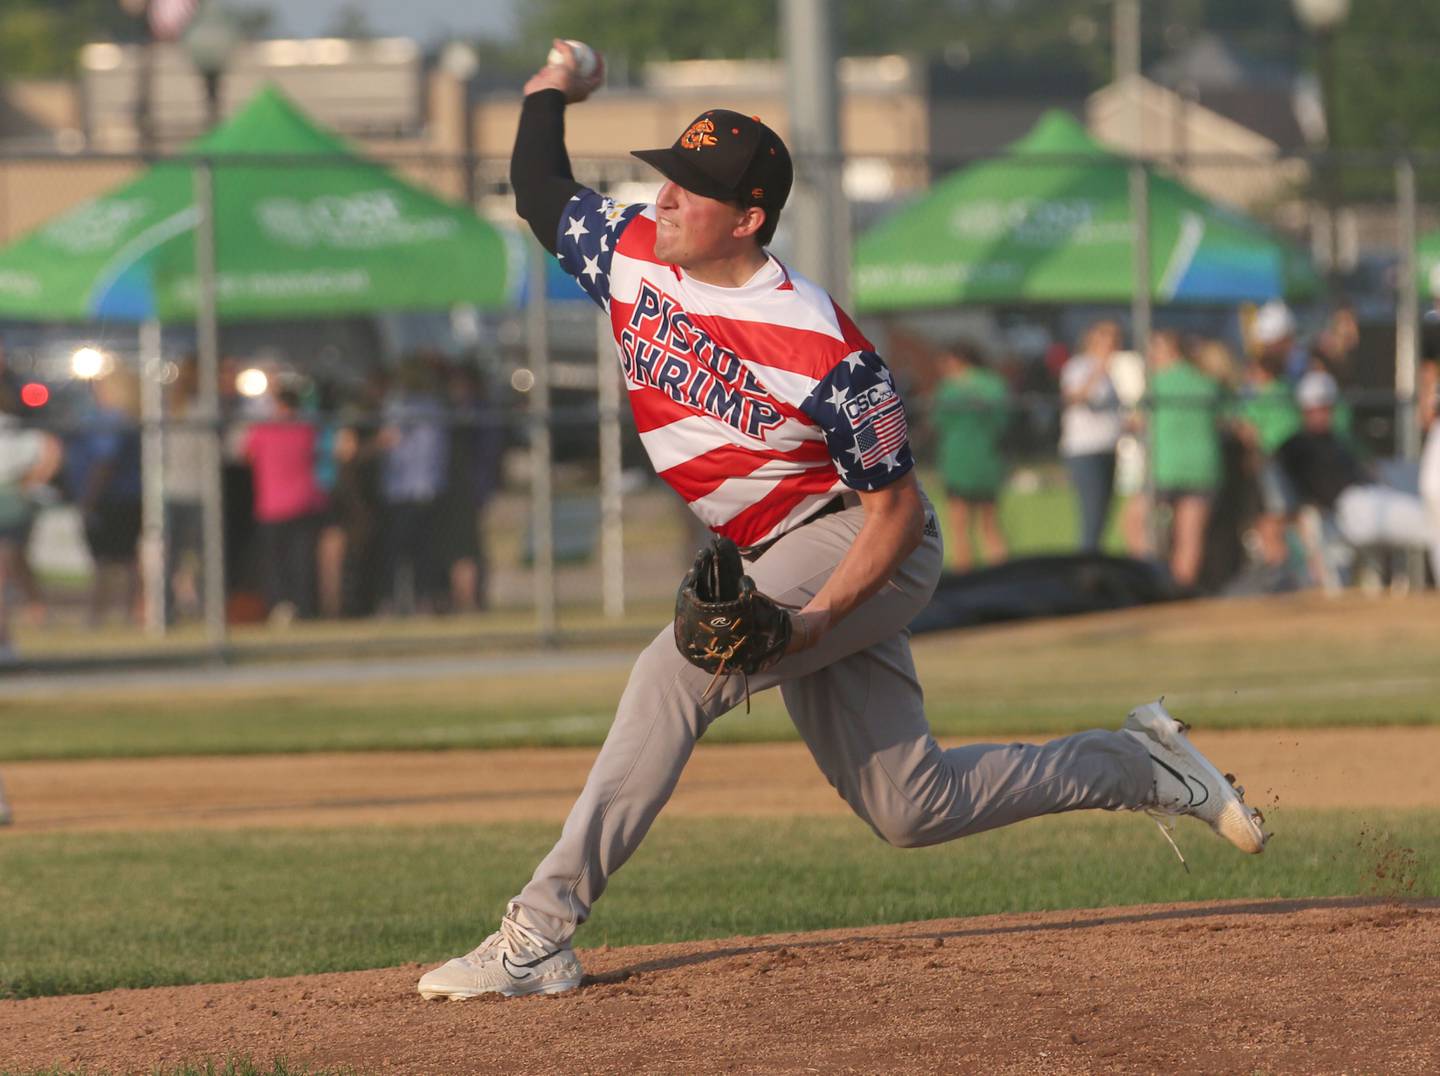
x: 513, y: 961
x: 1186, y: 782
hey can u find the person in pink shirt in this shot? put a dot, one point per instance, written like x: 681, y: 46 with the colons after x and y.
x: 288, y: 506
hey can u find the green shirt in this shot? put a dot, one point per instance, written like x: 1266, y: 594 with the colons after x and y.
x: 970, y: 414
x: 1273, y: 413
x: 1185, y: 443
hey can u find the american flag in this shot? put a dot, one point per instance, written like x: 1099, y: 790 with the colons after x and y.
x: 882, y: 432
x: 168, y: 18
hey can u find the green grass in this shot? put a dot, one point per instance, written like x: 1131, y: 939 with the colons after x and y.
x: 1039, y: 515
x: 90, y: 912
x: 1267, y: 663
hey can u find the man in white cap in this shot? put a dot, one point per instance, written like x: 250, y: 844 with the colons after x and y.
x: 1274, y: 327
x: 1325, y: 473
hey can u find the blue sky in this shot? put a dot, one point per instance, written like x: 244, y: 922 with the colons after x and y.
x: 427, y: 21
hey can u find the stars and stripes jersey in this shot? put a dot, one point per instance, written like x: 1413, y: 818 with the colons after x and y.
x: 757, y: 404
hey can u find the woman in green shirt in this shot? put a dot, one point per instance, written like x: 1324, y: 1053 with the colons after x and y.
x: 1184, y: 449
x: 970, y: 413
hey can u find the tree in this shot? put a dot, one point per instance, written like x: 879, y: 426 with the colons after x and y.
x: 254, y: 21
x: 1379, y: 91
x: 351, y: 22
x: 1034, y: 34
x: 43, y: 37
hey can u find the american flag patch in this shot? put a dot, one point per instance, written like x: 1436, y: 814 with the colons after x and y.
x: 878, y: 418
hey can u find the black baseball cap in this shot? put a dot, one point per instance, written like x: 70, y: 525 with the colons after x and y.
x: 728, y: 156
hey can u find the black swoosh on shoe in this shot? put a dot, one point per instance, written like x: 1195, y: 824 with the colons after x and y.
x: 1187, y: 782
x: 510, y: 966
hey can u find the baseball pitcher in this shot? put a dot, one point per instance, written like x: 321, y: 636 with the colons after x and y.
x: 761, y: 404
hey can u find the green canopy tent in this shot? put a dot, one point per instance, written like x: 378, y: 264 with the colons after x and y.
x: 302, y: 227
x: 1050, y: 222
x: 306, y: 229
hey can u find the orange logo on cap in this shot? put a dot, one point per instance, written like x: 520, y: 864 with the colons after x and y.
x: 700, y: 135
x: 758, y: 193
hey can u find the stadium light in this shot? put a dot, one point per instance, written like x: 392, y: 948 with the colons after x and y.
x: 210, y: 39
x: 1321, y: 15
x: 251, y: 382
x: 88, y: 363
x: 1321, y: 18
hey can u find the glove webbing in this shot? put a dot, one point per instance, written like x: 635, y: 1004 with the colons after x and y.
x: 712, y: 651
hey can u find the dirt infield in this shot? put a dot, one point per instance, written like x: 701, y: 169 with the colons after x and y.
x: 1279, y: 986
x: 1287, y: 768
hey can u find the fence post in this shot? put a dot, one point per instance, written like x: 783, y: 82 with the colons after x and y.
x: 1407, y: 343
x: 612, y: 520
x: 542, y: 494
x: 152, y: 478
x: 817, y: 203
x: 1407, y: 314
x: 207, y: 329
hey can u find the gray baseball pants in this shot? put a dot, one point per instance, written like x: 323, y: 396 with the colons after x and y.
x: 856, y: 702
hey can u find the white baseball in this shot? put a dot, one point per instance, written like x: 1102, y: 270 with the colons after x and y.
x: 586, y: 61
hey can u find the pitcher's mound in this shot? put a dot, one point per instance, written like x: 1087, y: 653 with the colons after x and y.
x: 1275, y: 986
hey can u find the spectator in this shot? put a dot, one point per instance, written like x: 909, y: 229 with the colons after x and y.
x: 1273, y: 332
x: 1428, y: 404
x: 1184, y: 450
x: 1429, y: 417
x: 1267, y: 418
x: 971, y: 412
x: 22, y: 575
x: 330, y: 542
x: 1217, y: 362
x: 102, y: 469
x: 184, y: 449
x: 29, y: 458
x: 412, y: 478
x: 356, y: 498
x: 288, y: 506
x: 1334, y: 346
x: 1233, y: 507
x: 1325, y: 472
x: 472, y: 471
x: 1090, y: 426
x: 1331, y: 352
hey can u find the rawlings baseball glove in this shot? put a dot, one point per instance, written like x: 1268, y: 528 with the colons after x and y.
x: 722, y: 623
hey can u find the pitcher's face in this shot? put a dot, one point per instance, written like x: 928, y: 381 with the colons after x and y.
x: 691, y: 229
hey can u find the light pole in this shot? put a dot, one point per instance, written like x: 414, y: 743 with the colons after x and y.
x: 210, y: 39
x: 144, y: 75
x: 1321, y: 17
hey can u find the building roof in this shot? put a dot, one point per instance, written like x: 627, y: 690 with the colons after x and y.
x: 1209, y: 62
x: 1254, y: 93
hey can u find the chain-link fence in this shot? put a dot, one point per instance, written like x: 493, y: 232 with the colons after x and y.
x: 471, y: 471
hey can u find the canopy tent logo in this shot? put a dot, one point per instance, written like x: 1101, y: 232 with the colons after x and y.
x: 96, y: 225
x: 280, y: 284
x: 18, y: 282
x: 363, y: 220
x: 1036, y: 221
x: 921, y: 276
